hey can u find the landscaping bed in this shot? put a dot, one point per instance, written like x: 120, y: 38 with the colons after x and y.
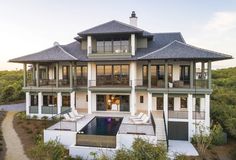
x: 2, y: 142
x: 30, y: 130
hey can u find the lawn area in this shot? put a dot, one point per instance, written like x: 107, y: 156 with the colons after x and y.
x: 2, y: 142
x: 30, y: 130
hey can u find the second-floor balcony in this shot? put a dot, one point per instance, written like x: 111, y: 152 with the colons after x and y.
x: 110, y: 82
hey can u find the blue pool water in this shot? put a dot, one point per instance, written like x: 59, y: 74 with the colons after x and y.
x: 102, y: 126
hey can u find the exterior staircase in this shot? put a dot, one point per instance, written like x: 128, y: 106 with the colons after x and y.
x: 159, y: 126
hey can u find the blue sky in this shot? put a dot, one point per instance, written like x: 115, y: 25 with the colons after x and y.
x: 30, y: 26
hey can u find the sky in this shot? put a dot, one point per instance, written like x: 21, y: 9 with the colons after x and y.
x: 29, y: 26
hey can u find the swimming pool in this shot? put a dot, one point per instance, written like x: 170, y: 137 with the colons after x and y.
x: 107, y: 126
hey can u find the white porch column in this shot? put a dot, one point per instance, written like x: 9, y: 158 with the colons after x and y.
x: 177, y: 103
x: 165, y: 108
x: 190, y: 116
x: 72, y: 100
x: 202, y: 104
x: 133, y: 67
x: 207, y: 110
x: 40, y: 102
x: 89, y: 92
x: 133, y: 47
x: 89, y: 45
x: 27, y: 103
x: 149, y: 103
x: 59, y: 102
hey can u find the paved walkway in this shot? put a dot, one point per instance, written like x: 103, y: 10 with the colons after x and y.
x: 13, y: 107
x: 14, y: 147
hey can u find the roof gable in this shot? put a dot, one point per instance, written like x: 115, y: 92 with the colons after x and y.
x: 111, y: 27
x: 180, y: 50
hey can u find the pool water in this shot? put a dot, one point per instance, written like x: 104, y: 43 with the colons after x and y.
x: 102, y: 126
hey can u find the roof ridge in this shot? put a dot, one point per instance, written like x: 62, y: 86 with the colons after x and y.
x: 128, y: 25
x: 59, y: 46
x: 157, y: 49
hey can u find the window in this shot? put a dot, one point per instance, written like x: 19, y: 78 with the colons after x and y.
x: 171, y: 103
x: 197, y: 105
x: 183, y: 102
x: 145, y: 75
x: 160, y: 72
x: 113, y: 46
x: 34, y: 100
x: 170, y: 73
x: 86, y: 98
x: 81, y: 71
x: 66, y: 101
x: 185, y: 74
x: 49, y: 100
x: 65, y: 72
x: 55, y: 72
x: 42, y: 73
x: 141, y: 99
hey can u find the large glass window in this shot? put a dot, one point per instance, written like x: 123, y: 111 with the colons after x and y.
x: 49, y: 100
x: 34, y: 100
x: 113, y: 46
x: 185, y: 74
x: 65, y: 72
x: 66, y: 101
x: 145, y: 75
x: 183, y: 102
x: 112, y: 74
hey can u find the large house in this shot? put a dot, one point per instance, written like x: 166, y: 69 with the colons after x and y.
x: 117, y: 68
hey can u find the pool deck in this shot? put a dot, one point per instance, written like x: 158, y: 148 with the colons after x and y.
x: 126, y: 126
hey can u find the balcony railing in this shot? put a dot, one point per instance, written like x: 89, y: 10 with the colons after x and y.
x: 178, y: 114
x: 110, y: 83
x: 201, y: 83
x: 49, y: 109
x: 158, y: 84
x: 199, y: 115
x: 141, y: 83
x: 33, y: 109
x: 81, y: 82
x: 179, y: 84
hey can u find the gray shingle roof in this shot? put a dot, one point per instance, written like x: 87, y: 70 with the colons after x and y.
x: 180, y: 50
x: 55, y: 53
x: 111, y: 27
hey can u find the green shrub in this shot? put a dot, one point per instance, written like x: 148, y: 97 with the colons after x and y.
x: 181, y: 157
x: 51, y: 150
x: 142, y: 149
x: 44, y: 118
x: 21, y: 115
x: 217, y: 134
x: 35, y: 117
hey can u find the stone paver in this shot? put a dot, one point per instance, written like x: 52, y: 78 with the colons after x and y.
x: 14, y: 147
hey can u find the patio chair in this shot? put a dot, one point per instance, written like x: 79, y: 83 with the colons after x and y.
x: 68, y: 118
x: 75, y: 112
x: 144, y: 121
x: 137, y: 116
x: 71, y: 114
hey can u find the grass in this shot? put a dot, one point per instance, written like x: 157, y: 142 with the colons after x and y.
x: 29, y: 130
x: 2, y: 142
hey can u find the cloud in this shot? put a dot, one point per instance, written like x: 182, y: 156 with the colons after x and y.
x: 221, y: 22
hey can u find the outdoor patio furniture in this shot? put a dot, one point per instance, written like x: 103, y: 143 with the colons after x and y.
x: 75, y: 112
x: 142, y: 120
x: 71, y: 114
x: 137, y: 116
x: 114, y: 107
x: 68, y: 118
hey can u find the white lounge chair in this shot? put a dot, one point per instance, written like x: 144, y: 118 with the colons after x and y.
x: 145, y: 121
x: 137, y: 116
x: 71, y: 114
x: 68, y: 118
x: 141, y: 119
x: 75, y: 112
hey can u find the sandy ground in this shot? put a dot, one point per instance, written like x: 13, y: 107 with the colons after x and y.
x: 13, y: 144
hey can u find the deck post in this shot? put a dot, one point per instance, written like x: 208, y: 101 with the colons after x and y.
x: 37, y: 74
x: 149, y: 74
x: 190, y: 115
x: 207, y: 110
x: 191, y: 74
x: 165, y: 108
x: 59, y: 102
x: 25, y: 75
x: 71, y: 75
x: 166, y: 74
x: 33, y: 76
x: 209, y: 74
x: 57, y: 75
x: 72, y: 100
x: 149, y: 103
x: 27, y: 102
x: 40, y: 102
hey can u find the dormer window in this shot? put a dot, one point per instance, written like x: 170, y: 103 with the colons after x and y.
x: 113, y: 46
